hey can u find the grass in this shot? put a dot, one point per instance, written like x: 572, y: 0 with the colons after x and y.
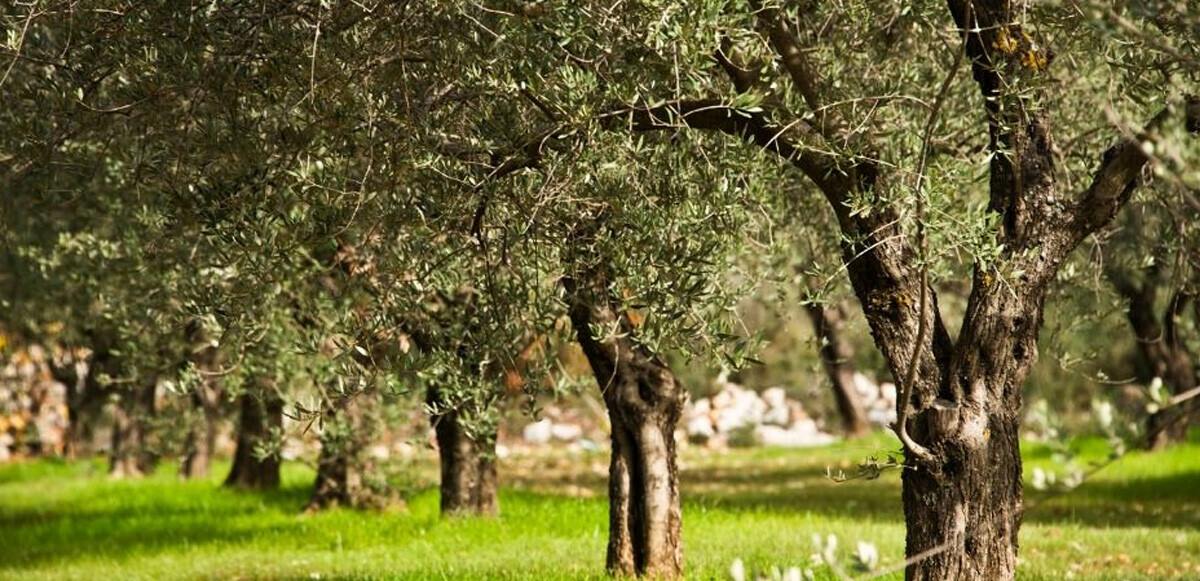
x: 1136, y: 519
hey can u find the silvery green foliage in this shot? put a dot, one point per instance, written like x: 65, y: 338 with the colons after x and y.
x: 312, y: 172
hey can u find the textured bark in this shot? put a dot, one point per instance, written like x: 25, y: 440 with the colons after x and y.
x: 346, y: 473
x: 260, y: 414
x: 963, y: 509
x: 644, y: 402
x: 129, y: 456
x: 468, y: 462
x: 837, y: 357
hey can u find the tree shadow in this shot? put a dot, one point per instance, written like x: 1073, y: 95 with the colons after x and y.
x: 803, y: 487
x: 127, y: 518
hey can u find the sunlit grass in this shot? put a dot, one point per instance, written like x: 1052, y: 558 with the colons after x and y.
x: 1136, y: 519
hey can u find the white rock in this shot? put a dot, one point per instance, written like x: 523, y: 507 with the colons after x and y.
x: 700, y: 429
x: 883, y: 416
x: 775, y: 397
x: 539, y: 432
x: 566, y: 432
x: 790, y: 438
x: 866, y: 388
x: 805, y: 426
x: 888, y: 390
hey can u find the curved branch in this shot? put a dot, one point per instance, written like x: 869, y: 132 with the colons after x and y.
x: 1114, y: 182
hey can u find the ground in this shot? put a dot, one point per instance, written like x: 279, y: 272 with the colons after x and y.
x: 1138, y: 518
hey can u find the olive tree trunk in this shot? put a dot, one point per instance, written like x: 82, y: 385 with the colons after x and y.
x: 467, y: 458
x: 201, y: 442
x: 837, y: 357
x: 346, y: 473
x: 129, y: 456
x: 261, y: 414
x: 1163, y: 354
x: 644, y: 402
x: 84, y: 398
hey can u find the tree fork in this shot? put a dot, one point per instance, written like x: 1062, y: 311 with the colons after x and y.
x: 644, y: 401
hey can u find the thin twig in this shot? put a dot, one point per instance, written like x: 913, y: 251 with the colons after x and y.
x: 910, y: 377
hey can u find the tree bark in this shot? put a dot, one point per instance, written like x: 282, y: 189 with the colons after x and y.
x: 261, y: 414
x: 129, y: 456
x: 644, y: 401
x: 346, y: 473
x: 201, y: 440
x: 468, y: 462
x: 837, y: 357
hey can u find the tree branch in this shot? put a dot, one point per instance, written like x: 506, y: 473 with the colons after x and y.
x: 751, y: 125
x: 798, y: 68
x: 1115, y: 180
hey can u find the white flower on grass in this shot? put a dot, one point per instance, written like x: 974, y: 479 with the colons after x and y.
x: 826, y: 549
x: 792, y: 574
x: 737, y: 571
x: 867, y: 556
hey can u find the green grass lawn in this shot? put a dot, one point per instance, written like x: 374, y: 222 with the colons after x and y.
x: 1136, y: 519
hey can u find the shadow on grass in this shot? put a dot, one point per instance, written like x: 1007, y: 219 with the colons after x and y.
x: 128, y: 517
x: 799, y: 486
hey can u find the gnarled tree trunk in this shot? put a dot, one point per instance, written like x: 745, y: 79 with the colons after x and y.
x: 468, y: 462
x: 644, y: 402
x: 346, y: 473
x: 261, y: 413
x: 837, y: 357
x: 129, y: 455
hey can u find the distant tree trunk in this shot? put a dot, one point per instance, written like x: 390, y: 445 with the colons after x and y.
x: 260, y: 414
x: 345, y: 470
x: 644, y: 401
x: 201, y: 440
x: 468, y: 462
x: 1162, y: 353
x: 83, y: 399
x: 837, y: 356
x: 129, y: 455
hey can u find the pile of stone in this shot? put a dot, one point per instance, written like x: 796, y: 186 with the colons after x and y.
x: 734, y: 416
x: 737, y: 416
x: 879, y: 400
x: 572, y: 427
x: 33, y: 412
